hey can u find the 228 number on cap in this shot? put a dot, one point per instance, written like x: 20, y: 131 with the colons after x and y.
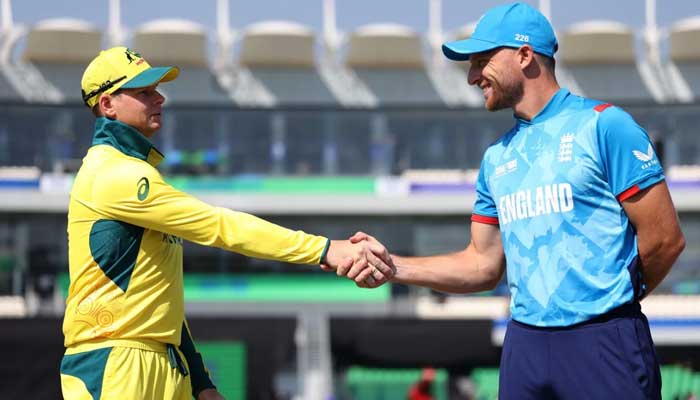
x: 522, y: 38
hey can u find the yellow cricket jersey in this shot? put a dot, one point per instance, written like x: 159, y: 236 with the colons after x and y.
x: 125, y: 232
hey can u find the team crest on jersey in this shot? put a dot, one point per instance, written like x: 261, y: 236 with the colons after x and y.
x: 647, y: 158
x: 566, y: 147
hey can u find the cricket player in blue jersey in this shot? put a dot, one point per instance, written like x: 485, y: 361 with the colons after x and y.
x: 573, y: 204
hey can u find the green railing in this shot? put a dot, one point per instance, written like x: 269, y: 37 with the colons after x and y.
x: 312, y: 287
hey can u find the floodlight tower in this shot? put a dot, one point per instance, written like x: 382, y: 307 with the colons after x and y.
x: 115, y: 30
x: 651, y: 32
x: 223, y: 32
x: 435, y: 31
x: 6, y: 9
x: 331, y: 36
x: 8, y: 32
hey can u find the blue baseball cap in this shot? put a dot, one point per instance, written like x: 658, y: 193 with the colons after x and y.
x: 510, y: 25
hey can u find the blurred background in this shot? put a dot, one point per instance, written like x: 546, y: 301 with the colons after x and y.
x: 330, y: 116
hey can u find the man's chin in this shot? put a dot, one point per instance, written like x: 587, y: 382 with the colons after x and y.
x: 492, y: 106
x: 152, y: 128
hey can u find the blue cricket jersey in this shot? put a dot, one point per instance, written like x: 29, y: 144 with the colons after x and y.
x: 554, y: 186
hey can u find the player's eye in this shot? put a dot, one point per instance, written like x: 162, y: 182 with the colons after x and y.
x: 480, y: 63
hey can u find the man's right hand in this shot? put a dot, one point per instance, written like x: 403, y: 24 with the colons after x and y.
x: 367, y: 262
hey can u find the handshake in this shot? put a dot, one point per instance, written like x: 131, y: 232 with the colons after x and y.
x: 362, y: 259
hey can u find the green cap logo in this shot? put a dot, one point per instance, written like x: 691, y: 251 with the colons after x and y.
x: 143, y: 187
x: 131, y: 55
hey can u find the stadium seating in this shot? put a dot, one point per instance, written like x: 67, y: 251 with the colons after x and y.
x: 8, y: 91
x: 455, y: 73
x: 388, y: 59
x: 184, y: 44
x: 279, y: 60
x: 598, y: 60
x: 684, y: 64
x: 59, y: 49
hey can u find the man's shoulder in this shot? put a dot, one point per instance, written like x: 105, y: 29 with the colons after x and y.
x: 113, y: 160
x: 110, y: 170
x: 582, y: 103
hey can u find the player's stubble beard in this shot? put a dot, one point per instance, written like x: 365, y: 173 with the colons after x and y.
x: 505, y: 93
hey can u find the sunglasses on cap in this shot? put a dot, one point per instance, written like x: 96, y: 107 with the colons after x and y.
x: 103, y: 88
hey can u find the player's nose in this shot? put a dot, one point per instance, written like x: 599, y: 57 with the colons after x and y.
x: 474, y: 75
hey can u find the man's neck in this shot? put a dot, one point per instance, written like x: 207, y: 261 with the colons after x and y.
x: 537, y: 93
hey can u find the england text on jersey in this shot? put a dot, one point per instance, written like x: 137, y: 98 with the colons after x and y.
x: 529, y: 203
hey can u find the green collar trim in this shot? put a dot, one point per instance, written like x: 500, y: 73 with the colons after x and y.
x: 126, y: 139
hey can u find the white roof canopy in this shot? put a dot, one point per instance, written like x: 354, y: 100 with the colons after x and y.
x: 596, y: 42
x: 172, y: 41
x: 685, y: 40
x: 385, y: 46
x: 62, y: 40
x: 277, y: 44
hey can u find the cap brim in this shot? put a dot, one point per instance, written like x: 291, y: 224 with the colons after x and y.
x: 460, y: 50
x: 152, y: 76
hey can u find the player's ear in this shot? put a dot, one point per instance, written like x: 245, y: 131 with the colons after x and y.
x: 526, y: 56
x: 106, y: 104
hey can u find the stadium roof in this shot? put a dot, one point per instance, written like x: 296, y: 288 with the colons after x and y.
x: 277, y: 44
x: 685, y: 40
x: 385, y: 46
x: 172, y: 41
x: 62, y: 40
x: 594, y: 42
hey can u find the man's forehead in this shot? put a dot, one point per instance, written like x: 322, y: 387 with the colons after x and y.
x: 154, y: 86
x: 484, y: 54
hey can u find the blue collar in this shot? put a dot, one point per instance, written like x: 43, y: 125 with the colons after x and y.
x: 126, y: 139
x: 552, y: 108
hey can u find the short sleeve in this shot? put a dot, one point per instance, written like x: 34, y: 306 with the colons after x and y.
x: 484, y: 207
x: 628, y: 156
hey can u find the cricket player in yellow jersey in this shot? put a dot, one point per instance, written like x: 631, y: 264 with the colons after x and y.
x: 125, y: 331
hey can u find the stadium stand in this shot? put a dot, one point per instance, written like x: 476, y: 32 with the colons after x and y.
x: 389, y: 59
x: 684, y: 59
x: 455, y: 73
x: 599, y: 61
x: 374, y: 135
x: 182, y: 43
x: 280, y: 59
x: 59, y: 49
x: 8, y: 92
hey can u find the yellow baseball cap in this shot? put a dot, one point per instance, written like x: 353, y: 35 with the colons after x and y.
x: 120, y: 67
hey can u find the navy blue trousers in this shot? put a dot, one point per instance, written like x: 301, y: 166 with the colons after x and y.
x: 609, y: 357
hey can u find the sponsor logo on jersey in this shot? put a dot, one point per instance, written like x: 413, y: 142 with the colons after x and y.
x: 503, y: 169
x: 647, y: 158
x: 530, y: 203
x: 143, y: 188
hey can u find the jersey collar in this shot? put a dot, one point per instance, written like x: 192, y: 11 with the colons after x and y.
x: 552, y: 108
x: 125, y: 139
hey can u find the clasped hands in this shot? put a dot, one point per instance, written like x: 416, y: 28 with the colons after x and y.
x: 362, y: 259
